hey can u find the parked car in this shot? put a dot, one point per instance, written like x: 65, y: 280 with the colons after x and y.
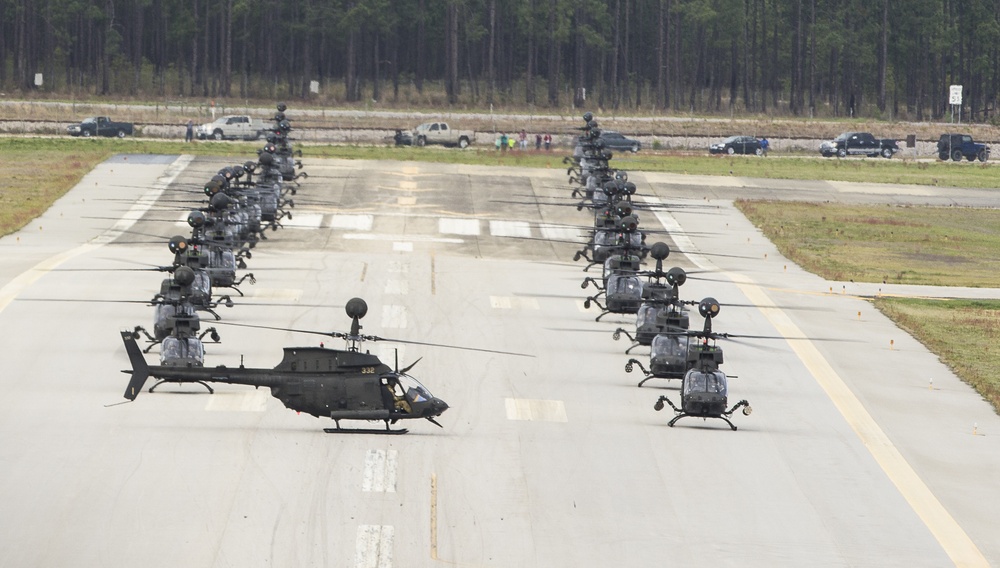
x: 957, y: 146
x: 441, y: 133
x: 233, y: 127
x: 402, y: 138
x: 101, y: 126
x: 737, y: 145
x: 858, y: 143
x: 616, y: 141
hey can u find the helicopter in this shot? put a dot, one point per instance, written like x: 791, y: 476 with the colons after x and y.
x: 704, y: 386
x: 621, y: 285
x: 342, y: 384
x: 176, y: 309
x: 661, y: 308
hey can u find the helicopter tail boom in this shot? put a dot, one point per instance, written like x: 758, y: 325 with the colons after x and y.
x: 140, y: 370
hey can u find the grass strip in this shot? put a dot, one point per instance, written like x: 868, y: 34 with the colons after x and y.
x: 965, y: 334
x: 936, y: 246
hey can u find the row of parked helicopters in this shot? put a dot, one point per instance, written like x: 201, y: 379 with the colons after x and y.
x: 348, y: 384
x: 618, y: 246
x: 243, y: 202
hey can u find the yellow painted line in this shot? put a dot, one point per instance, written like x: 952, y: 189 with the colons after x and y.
x: 955, y: 542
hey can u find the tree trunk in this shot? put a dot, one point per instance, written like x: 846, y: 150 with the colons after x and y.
x: 491, y: 79
x: 579, y: 92
x: 421, y: 66
x: 350, y: 79
x: 227, y: 50
x: 883, y: 54
x: 106, y: 49
x: 553, y: 56
x: 451, y: 54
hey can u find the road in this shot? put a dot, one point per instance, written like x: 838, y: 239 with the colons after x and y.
x: 862, y: 450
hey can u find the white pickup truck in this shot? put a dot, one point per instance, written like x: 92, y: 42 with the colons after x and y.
x: 440, y: 133
x: 232, y: 127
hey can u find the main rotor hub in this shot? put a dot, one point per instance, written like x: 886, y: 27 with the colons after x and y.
x: 709, y: 308
x: 356, y: 308
x: 659, y: 251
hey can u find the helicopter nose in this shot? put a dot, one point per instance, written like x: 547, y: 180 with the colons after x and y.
x: 438, y: 407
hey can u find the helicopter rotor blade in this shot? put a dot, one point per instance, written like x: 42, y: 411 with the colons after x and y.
x: 342, y: 335
x: 410, y: 366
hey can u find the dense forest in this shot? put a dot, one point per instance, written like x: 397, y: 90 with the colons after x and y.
x: 872, y: 58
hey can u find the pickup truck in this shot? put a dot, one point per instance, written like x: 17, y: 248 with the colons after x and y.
x: 858, y: 143
x: 232, y: 127
x: 440, y: 133
x: 101, y: 126
x: 958, y: 146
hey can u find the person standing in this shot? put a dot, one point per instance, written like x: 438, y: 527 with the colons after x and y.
x: 538, y: 141
x: 548, y: 141
x: 523, y: 137
x: 503, y: 142
x: 764, y: 146
x: 189, y: 134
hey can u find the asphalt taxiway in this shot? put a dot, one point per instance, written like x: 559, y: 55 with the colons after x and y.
x: 863, y: 449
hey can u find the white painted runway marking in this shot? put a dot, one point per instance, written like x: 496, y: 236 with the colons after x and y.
x: 284, y: 294
x: 402, y: 247
x: 255, y: 401
x: 559, y: 233
x: 397, y: 287
x: 451, y: 226
x: 303, y: 221
x: 374, y: 547
x: 397, y: 267
x: 380, y: 471
x: 513, y: 302
x: 393, y: 316
x: 407, y: 185
x: 537, y: 410
x: 400, y: 238
x: 352, y: 222
x: 510, y: 229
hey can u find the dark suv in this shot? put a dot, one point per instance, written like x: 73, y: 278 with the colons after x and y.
x: 957, y: 146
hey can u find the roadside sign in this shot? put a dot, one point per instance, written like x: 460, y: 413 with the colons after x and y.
x: 955, y: 95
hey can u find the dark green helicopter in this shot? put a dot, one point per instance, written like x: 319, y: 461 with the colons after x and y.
x: 661, y: 309
x: 704, y: 386
x: 326, y: 383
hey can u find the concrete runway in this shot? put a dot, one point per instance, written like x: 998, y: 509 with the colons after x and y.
x: 852, y: 457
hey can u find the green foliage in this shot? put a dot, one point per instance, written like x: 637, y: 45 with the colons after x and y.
x: 710, y: 48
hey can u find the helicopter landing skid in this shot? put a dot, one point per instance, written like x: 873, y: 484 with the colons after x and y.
x: 720, y: 417
x: 339, y: 430
x: 202, y: 383
x: 364, y: 431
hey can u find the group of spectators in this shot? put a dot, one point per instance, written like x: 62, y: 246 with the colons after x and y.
x: 520, y: 140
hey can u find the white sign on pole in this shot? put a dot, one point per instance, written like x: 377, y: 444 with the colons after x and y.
x: 955, y: 95
x: 38, y: 79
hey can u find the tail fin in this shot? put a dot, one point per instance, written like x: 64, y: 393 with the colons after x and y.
x: 140, y: 371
